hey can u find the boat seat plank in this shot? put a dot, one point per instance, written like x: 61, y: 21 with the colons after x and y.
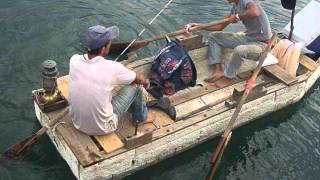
x: 279, y: 73
x: 110, y: 142
x: 84, y: 149
x: 197, y: 91
x: 210, y: 99
x: 308, y: 63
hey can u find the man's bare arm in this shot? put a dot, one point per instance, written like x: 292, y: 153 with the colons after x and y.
x: 251, y: 12
x: 217, y: 27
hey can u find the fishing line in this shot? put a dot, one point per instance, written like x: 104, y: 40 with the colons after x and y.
x: 144, y: 29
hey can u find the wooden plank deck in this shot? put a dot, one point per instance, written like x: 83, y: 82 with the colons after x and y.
x: 108, y: 157
x: 110, y: 142
x: 85, y: 150
x: 193, y: 105
x: 279, y: 73
x: 200, y: 95
x: 308, y: 63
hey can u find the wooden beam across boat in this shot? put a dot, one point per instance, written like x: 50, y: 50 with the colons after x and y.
x: 310, y: 64
x: 276, y: 71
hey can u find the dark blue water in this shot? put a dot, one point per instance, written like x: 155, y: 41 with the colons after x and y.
x: 283, y: 145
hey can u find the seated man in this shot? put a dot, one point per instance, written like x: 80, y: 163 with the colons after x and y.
x: 93, y: 110
x: 249, y: 44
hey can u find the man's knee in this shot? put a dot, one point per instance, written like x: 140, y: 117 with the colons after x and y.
x: 240, y: 51
x: 215, y: 36
x: 130, y: 91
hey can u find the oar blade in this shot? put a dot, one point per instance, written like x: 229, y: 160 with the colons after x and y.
x: 21, y: 148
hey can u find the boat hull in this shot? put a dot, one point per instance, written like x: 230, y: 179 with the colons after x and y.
x: 213, y: 122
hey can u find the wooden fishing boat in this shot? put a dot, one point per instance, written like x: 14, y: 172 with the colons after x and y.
x: 203, y: 112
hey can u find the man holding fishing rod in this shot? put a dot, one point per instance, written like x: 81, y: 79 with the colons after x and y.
x: 93, y: 110
x: 246, y: 45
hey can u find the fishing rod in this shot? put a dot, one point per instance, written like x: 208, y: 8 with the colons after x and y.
x: 144, y: 29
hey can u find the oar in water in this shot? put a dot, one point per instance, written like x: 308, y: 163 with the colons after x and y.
x: 20, y: 148
x: 228, y: 131
x: 117, y: 48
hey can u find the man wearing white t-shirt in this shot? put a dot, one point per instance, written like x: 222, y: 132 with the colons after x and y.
x: 93, y: 110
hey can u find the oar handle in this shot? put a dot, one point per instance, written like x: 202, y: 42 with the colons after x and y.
x: 122, y: 47
x: 183, y: 31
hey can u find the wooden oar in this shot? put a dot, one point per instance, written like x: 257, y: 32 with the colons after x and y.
x: 117, y: 48
x: 228, y: 131
x: 20, y: 148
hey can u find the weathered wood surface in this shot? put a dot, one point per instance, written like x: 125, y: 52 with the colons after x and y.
x: 194, y: 134
x: 110, y: 142
x: 171, y: 137
x: 279, y: 73
x: 207, y: 100
x: 162, y: 119
x: 195, y: 92
x: 60, y: 144
x: 125, y: 160
x: 174, y: 143
x: 138, y: 139
x: 127, y: 129
x: 82, y: 146
x: 310, y: 64
x: 211, y: 101
x: 190, y: 41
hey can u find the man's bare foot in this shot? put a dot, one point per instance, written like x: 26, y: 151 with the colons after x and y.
x: 215, y: 77
x: 150, y: 118
x: 223, y: 82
